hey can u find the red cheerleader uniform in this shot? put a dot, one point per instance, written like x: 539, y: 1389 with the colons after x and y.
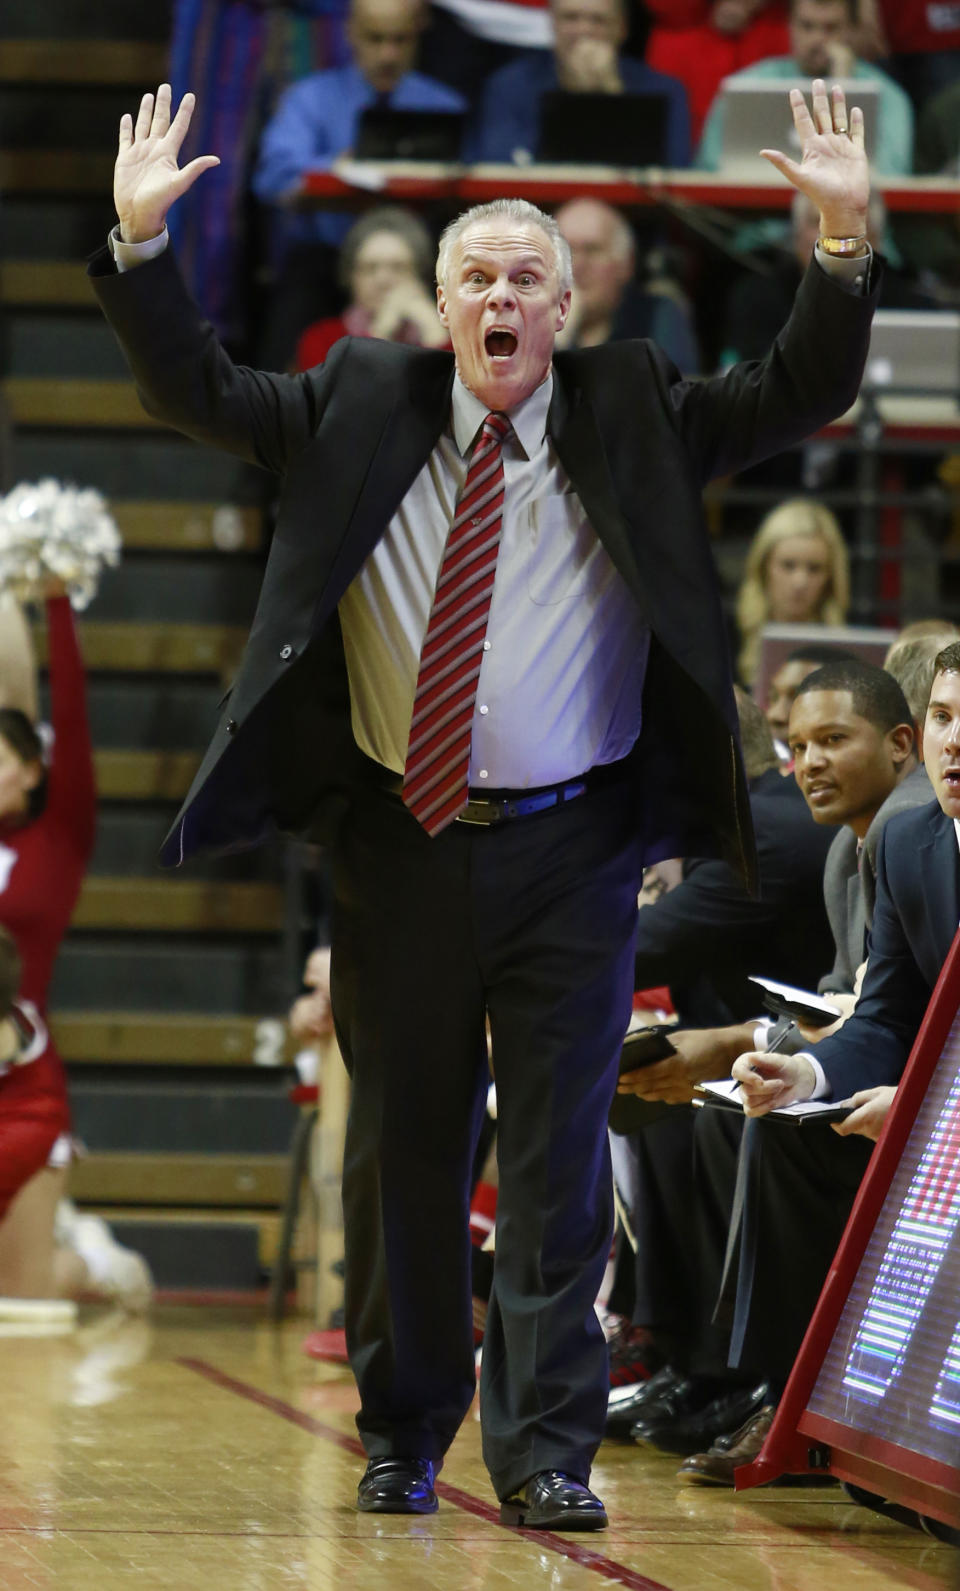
x: 42, y: 864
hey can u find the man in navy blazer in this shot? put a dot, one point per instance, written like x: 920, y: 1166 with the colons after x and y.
x: 604, y: 624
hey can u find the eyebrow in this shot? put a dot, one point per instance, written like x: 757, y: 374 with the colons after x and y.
x: 525, y: 264
x: 822, y: 729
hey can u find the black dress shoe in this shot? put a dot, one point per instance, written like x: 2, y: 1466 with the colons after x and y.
x: 552, y: 1500
x: 668, y: 1394
x: 397, y: 1486
x: 696, y: 1432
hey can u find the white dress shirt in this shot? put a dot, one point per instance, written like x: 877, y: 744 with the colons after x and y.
x: 565, y: 652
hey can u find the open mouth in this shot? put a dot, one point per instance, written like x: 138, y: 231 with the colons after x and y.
x: 500, y: 343
x: 951, y: 778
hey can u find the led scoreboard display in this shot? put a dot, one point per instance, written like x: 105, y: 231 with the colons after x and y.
x: 874, y: 1397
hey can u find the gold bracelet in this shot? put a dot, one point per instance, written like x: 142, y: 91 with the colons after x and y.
x: 844, y: 246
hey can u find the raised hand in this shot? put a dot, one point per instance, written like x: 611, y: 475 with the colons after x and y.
x: 147, y: 179
x: 832, y: 170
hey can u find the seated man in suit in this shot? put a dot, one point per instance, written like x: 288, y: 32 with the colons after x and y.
x: 705, y: 938
x: 586, y: 59
x: 857, y: 766
x: 801, y: 1189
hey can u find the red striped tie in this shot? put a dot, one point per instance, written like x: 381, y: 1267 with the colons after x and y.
x: 438, y: 752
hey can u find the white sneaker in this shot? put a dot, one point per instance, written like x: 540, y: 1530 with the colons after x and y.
x: 116, y: 1273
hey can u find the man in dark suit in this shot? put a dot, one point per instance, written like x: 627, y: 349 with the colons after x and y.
x: 488, y: 612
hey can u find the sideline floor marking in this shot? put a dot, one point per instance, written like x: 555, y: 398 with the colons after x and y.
x: 615, y: 1573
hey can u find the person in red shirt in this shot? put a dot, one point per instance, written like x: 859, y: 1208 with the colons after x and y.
x: 703, y: 41
x: 918, y: 42
x: 47, y: 823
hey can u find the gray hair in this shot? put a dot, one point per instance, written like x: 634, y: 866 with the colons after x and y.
x: 523, y: 213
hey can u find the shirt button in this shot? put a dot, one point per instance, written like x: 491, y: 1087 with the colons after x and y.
x: 231, y: 726
x: 286, y: 651
x: 484, y: 710
x: 483, y: 773
x: 486, y: 646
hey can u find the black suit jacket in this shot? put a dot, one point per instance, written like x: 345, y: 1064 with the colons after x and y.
x: 914, y: 922
x: 350, y: 436
x: 707, y: 937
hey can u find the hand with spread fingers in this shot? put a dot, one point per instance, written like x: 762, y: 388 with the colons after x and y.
x: 147, y: 179
x: 832, y: 170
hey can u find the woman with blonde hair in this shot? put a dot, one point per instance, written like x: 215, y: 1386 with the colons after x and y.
x: 797, y: 572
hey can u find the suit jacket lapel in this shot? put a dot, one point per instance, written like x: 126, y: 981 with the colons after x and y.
x: 411, y: 426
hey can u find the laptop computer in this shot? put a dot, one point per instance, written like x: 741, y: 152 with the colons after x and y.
x: 603, y: 129
x: 756, y: 115
x: 915, y: 348
x: 387, y: 134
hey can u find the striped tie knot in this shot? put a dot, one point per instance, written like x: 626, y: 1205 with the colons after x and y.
x: 438, y: 750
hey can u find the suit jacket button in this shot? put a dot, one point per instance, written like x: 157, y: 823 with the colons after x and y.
x: 231, y: 726
x: 286, y: 651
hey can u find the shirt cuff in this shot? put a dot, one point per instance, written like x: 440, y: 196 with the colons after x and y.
x: 761, y: 1034
x: 854, y: 274
x: 127, y: 255
x: 822, y: 1089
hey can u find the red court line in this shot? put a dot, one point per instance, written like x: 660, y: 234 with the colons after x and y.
x: 615, y: 1573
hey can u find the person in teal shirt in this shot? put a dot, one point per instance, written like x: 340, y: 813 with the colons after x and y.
x: 820, y: 47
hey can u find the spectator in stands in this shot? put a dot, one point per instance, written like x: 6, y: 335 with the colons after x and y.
x: 919, y: 42
x: 586, y: 58
x: 757, y: 300
x: 820, y: 47
x: 703, y: 41
x: 47, y: 817
x: 932, y: 243
x: 314, y: 128
x: 608, y: 302
x: 239, y: 58
x: 385, y: 265
x: 786, y: 681
x: 796, y: 572
x: 851, y: 734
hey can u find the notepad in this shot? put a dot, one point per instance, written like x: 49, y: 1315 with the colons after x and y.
x: 724, y: 1095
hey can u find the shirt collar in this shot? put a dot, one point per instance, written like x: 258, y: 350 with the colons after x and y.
x: 529, y: 418
x: 956, y: 829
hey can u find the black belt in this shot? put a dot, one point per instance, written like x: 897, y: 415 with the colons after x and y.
x: 486, y: 808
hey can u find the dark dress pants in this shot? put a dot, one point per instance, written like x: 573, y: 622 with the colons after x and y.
x: 531, y: 924
x: 805, y: 1180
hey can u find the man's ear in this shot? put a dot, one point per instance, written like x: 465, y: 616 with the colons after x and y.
x: 441, y: 304
x: 903, y: 741
x: 563, y: 309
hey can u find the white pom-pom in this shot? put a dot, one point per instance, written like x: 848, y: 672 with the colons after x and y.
x: 49, y: 529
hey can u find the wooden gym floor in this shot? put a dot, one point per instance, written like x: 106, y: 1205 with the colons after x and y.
x: 200, y: 1451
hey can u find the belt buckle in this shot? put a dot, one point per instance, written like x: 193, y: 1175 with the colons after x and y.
x: 470, y: 814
